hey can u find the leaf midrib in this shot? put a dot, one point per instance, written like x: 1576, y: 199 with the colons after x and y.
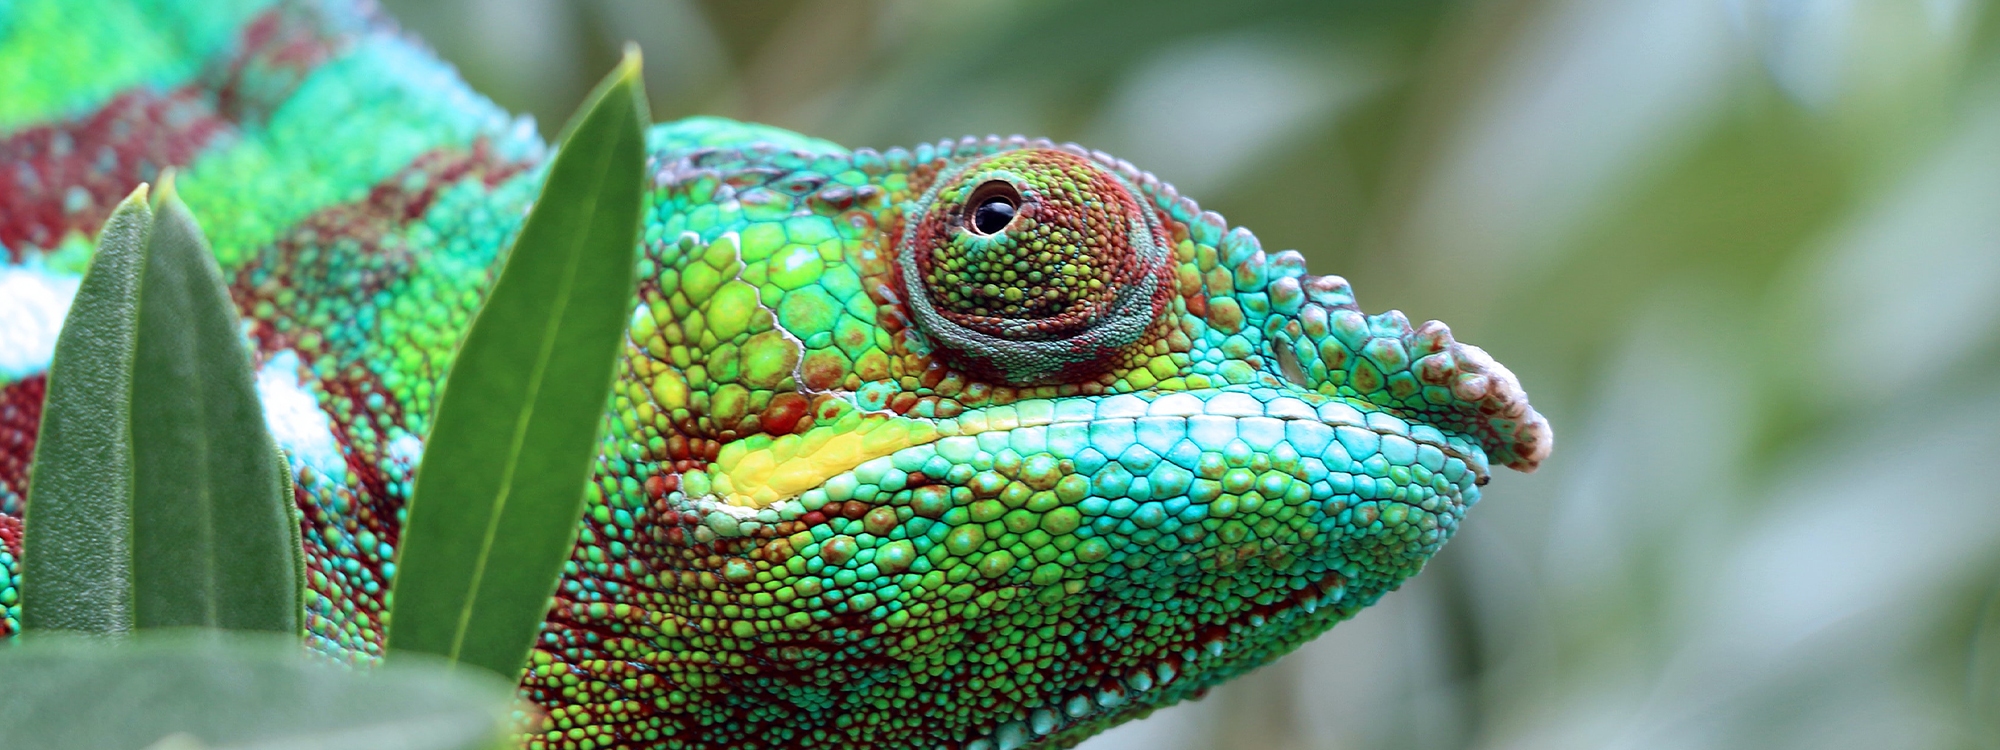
x: 519, y: 437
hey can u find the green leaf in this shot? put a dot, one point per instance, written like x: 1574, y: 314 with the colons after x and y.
x: 293, y: 517
x: 193, y: 690
x: 77, y: 559
x: 499, y: 492
x: 157, y: 499
x: 211, y: 544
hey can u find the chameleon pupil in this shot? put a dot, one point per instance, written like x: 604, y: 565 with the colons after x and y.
x: 993, y: 215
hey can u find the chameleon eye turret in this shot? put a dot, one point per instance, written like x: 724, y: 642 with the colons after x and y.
x: 1034, y: 266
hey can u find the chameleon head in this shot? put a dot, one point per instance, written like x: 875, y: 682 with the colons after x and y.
x: 989, y: 444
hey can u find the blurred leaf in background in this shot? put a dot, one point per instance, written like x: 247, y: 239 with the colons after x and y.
x: 237, y: 690
x: 1744, y: 253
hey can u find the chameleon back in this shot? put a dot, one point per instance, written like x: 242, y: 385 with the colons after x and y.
x: 979, y: 444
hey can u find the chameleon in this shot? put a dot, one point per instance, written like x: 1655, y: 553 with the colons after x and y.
x: 982, y: 444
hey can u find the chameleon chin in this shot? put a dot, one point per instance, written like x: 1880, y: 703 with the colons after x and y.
x: 985, y: 444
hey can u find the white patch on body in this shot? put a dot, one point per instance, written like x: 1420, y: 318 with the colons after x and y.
x: 33, y: 303
x: 406, y: 449
x: 293, y: 415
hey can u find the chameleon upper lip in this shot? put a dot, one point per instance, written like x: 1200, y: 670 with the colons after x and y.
x: 756, y: 478
x: 1229, y: 402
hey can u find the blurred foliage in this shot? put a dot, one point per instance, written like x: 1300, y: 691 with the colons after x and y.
x: 1744, y: 253
x: 189, y: 689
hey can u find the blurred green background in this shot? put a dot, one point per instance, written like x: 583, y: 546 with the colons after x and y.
x: 1745, y: 254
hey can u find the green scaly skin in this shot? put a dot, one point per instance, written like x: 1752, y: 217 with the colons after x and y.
x: 881, y: 470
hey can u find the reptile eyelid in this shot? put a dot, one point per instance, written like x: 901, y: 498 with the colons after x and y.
x: 984, y: 194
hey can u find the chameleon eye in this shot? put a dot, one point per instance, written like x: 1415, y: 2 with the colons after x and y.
x: 994, y: 205
x: 1033, y: 266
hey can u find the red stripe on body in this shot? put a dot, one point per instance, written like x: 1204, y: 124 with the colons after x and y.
x: 66, y: 176
x: 364, y: 228
x: 372, y: 258
x: 10, y: 536
x: 20, y: 419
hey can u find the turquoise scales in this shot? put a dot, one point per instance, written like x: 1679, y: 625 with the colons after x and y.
x: 980, y: 444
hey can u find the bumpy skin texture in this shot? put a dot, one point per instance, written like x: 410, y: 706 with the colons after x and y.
x: 874, y: 475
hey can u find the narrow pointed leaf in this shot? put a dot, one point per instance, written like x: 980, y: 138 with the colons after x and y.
x: 77, y: 566
x: 210, y: 544
x: 500, y: 488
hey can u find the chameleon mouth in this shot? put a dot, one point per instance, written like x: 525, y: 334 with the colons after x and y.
x: 760, y: 471
x: 1151, y: 682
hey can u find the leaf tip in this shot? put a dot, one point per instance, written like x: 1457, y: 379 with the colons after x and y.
x: 632, y: 74
x: 167, y: 199
x: 167, y: 196
x: 630, y: 66
x: 139, y: 196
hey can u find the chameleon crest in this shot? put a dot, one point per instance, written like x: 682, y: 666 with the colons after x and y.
x: 977, y: 445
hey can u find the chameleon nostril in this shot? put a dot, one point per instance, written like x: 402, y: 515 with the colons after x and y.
x: 1288, y: 364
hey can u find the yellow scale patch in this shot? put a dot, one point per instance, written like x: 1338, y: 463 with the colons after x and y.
x: 760, y: 470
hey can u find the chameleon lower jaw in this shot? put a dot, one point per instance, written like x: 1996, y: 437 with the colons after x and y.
x: 1131, y: 693
x: 1273, y: 511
